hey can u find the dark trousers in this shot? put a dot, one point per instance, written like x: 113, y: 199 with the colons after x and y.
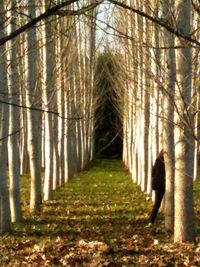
x: 158, y: 199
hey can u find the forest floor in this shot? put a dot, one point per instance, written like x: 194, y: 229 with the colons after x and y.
x: 98, y: 219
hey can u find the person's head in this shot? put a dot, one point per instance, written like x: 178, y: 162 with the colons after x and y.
x: 161, y: 154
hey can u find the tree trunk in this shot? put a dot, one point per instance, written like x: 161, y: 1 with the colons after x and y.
x: 184, y: 229
x: 34, y: 117
x: 147, y: 92
x: 48, y: 95
x: 5, y: 218
x: 13, y: 141
x: 168, y: 133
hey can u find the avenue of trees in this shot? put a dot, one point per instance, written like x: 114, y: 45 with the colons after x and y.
x: 46, y: 101
x: 161, y: 100
x: 108, y: 120
x: 48, y: 56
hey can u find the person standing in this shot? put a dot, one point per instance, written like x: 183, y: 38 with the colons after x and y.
x: 158, y: 184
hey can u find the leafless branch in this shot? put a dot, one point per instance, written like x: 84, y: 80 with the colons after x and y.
x: 11, y: 134
x: 157, y: 21
x: 49, y: 12
x: 40, y: 110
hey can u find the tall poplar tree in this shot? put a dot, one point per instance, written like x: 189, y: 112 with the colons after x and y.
x: 34, y: 117
x: 168, y: 133
x: 48, y: 99
x: 13, y: 141
x: 184, y: 228
x: 5, y: 218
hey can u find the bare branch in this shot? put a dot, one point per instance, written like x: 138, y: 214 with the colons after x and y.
x: 11, y: 134
x: 40, y: 110
x: 157, y: 21
x: 196, y: 8
x: 78, y: 12
x: 49, y: 12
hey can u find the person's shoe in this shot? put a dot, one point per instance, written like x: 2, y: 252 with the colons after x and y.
x: 148, y: 225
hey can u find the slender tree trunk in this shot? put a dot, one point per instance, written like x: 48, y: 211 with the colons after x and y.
x: 147, y: 92
x: 34, y: 117
x: 56, y: 175
x: 13, y: 144
x: 196, y: 100
x: 5, y: 217
x: 184, y: 229
x: 61, y: 97
x: 23, y: 148
x: 140, y: 130
x: 48, y: 99
x: 168, y: 133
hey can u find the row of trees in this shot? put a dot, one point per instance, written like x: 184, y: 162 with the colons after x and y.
x: 48, y: 54
x: 46, y: 98
x: 161, y: 97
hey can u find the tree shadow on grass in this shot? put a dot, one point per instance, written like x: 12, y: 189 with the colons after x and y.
x: 104, y: 227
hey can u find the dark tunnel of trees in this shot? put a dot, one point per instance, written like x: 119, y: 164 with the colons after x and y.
x: 108, y: 127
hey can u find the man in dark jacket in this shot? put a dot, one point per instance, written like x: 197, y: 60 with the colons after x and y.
x: 158, y: 184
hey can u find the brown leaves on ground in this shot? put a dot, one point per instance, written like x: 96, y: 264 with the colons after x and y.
x: 97, y: 220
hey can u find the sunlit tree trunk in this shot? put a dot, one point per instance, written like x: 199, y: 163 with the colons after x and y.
x: 197, y: 131
x: 79, y: 85
x: 184, y: 229
x: 81, y: 75
x: 147, y: 92
x: 13, y: 144
x: 56, y: 119
x: 68, y: 55
x: 62, y: 57
x: 168, y: 133
x: 91, y: 81
x: 196, y: 96
x: 42, y: 76
x: 56, y: 172
x: 5, y: 218
x: 23, y: 147
x: 128, y: 92
x: 140, y: 112
x: 48, y: 99
x: 153, y: 90
x: 34, y: 117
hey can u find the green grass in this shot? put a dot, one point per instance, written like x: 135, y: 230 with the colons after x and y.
x: 98, y: 219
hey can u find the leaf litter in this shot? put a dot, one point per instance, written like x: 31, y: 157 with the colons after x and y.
x: 98, y: 219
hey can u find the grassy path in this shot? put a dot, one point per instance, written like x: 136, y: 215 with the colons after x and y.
x: 98, y: 219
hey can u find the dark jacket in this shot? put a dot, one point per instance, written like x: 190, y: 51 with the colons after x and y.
x: 158, y: 174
